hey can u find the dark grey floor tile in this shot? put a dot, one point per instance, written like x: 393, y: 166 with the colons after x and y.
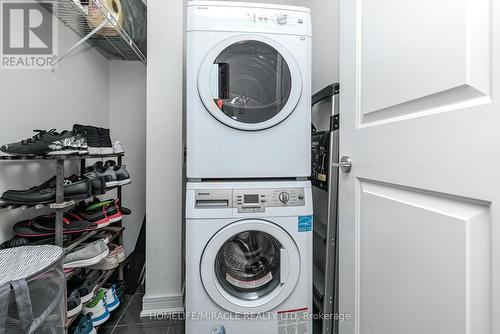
x: 158, y: 327
x: 105, y: 330
x: 140, y: 289
x: 176, y: 330
x: 132, y: 314
x: 117, y: 314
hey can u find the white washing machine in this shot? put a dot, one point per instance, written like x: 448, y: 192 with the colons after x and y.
x: 248, y: 90
x: 249, y: 258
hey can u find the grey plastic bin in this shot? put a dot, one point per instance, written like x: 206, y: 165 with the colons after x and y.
x: 32, y: 290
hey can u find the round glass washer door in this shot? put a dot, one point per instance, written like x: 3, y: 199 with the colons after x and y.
x: 250, y: 266
x: 250, y: 83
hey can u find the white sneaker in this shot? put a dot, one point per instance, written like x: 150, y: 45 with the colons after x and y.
x: 118, y: 147
x: 111, y: 299
x: 97, y: 306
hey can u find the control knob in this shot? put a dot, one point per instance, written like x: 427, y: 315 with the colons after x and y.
x: 284, y: 197
x: 282, y: 19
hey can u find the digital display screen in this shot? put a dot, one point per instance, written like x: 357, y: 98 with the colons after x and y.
x: 251, y: 199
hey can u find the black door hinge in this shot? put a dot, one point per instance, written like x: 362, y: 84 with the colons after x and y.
x: 334, y: 123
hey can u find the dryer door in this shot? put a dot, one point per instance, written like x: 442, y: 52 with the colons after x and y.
x: 250, y: 266
x: 250, y: 82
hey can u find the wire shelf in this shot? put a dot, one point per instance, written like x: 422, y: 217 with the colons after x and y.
x: 73, y: 13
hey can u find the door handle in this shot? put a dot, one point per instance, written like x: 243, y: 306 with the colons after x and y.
x: 345, y: 164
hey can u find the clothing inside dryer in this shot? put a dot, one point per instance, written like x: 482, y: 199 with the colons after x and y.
x: 254, y: 82
x: 248, y: 265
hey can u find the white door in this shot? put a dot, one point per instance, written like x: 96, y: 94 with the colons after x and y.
x: 419, y: 211
x: 250, y: 266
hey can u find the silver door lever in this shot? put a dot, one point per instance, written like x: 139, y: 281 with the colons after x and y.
x: 345, y: 164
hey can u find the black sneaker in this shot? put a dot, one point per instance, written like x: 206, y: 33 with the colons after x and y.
x: 48, y: 143
x: 74, y: 303
x: 74, y: 189
x: 98, y: 139
x: 85, y: 287
x: 106, y: 143
x: 122, y: 175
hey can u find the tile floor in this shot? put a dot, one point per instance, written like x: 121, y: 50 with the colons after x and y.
x: 126, y: 320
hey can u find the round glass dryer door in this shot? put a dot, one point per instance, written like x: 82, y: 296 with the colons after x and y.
x: 250, y: 266
x: 250, y: 83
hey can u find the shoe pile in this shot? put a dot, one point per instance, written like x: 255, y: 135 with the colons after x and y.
x: 112, y: 174
x: 97, y: 179
x: 91, y: 305
x: 82, y: 218
x: 95, y: 255
x: 99, y: 308
x: 83, y: 139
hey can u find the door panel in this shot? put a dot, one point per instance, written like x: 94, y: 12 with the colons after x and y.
x: 440, y: 50
x: 418, y: 212
x: 429, y: 253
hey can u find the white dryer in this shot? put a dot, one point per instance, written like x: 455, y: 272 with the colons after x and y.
x: 248, y: 90
x: 249, y: 258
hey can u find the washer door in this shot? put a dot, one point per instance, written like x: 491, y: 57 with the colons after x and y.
x: 250, y: 82
x: 250, y: 266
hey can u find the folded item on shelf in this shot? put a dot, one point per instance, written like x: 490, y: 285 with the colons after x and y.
x: 98, y: 11
x: 135, y: 22
x: 74, y: 189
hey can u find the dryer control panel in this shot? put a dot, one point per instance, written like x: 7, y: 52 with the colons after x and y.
x: 249, y: 200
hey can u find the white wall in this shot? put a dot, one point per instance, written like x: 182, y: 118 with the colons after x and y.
x: 325, y: 59
x: 127, y: 121
x: 280, y: 2
x: 77, y: 92
x: 164, y: 157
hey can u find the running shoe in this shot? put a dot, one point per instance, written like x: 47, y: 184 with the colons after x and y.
x: 74, y: 189
x: 111, y: 299
x: 73, y: 302
x: 48, y: 143
x: 97, y: 308
x: 85, y: 287
x: 98, y: 139
x: 101, y: 170
x: 83, y: 325
x: 86, y: 255
x: 122, y: 175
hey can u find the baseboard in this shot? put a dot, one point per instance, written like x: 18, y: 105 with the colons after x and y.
x: 155, y: 306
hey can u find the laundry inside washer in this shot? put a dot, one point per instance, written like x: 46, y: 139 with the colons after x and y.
x: 254, y: 81
x: 247, y: 265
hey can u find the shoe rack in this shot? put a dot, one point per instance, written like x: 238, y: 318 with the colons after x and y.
x: 60, y: 207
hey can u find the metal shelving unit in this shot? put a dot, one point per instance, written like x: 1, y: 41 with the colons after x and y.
x: 60, y: 206
x: 74, y: 15
x: 325, y: 198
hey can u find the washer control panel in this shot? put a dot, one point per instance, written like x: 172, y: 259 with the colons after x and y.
x: 249, y: 200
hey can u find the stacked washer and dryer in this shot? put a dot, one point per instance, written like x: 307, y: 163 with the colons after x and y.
x: 248, y: 200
